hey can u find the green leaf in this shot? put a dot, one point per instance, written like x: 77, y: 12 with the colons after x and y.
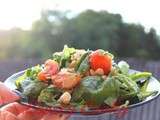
x: 65, y: 57
x: 124, y: 67
x: 25, y: 83
x: 145, y: 85
x: 33, y: 89
x: 97, y: 90
x: 67, y: 52
x: 128, y: 89
x: 77, y: 93
x: 19, y: 80
x: 33, y: 72
x: 143, y: 95
x: 90, y: 83
x: 126, y: 81
x: 29, y: 75
x: 110, y: 100
x: 143, y: 91
x: 80, y: 61
x: 84, y: 65
x: 78, y: 105
x: 49, y: 96
x: 140, y: 75
x: 56, y: 57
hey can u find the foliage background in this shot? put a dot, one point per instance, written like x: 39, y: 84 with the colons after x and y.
x: 89, y: 29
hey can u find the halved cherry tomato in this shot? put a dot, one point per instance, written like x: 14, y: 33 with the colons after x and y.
x: 99, y: 60
x: 42, y: 76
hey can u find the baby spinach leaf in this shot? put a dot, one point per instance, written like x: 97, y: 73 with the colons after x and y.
x: 96, y: 90
x: 89, y: 83
x: 33, y: 90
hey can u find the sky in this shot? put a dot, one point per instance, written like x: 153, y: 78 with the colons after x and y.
x: 21, y: 13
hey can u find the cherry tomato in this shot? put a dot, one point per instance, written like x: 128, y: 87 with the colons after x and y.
x: 99, y: 60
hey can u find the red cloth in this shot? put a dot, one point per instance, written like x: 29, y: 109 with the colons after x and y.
x: 16, y: 111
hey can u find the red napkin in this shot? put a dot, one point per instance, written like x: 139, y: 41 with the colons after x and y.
x: 6, y: 95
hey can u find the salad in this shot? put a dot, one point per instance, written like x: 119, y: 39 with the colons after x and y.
x: 78, y: 78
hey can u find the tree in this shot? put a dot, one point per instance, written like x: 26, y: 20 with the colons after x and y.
x: 89, y: 29
x: 152, y: 44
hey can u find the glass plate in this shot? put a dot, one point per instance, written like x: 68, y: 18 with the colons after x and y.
x: 153, y: 85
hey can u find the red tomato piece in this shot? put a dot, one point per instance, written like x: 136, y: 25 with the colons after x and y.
x: 99, y: 60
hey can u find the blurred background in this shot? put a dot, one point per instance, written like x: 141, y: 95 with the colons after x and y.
x: 31, y: 30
